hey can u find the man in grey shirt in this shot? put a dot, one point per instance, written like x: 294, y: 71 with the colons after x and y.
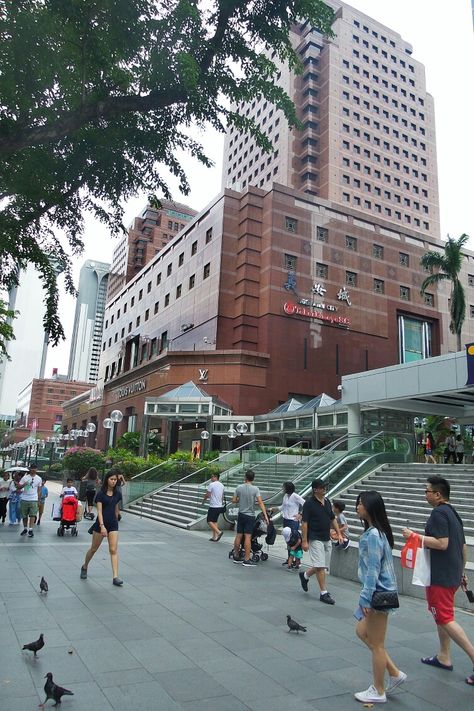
x: 246, y: 495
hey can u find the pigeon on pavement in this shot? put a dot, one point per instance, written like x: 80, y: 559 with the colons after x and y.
x: 293, y: 625
x: 43, y: 585
x: 53, y: 691
x: 35, y: 646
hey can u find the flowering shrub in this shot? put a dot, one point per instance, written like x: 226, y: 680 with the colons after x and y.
x: 79, y: 460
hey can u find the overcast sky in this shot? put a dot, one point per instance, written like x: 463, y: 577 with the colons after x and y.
x: 442, y: 38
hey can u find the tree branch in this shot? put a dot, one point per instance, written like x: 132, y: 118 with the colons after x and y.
x: 75, y: 120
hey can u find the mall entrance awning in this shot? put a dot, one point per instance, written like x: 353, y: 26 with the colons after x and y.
x: 435, y: 386
x: 187, y: 401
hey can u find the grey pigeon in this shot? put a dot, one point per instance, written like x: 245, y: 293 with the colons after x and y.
x: 53, y: 691
x: 293, y: 625
x: 35, y: 646
x: 43, y: 586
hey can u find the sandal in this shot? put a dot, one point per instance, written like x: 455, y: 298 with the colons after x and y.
x: 470, y: 680
x: 434, y: 662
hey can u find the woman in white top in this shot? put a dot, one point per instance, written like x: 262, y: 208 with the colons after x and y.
x: 290, y: 506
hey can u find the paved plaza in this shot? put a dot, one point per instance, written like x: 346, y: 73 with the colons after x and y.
x: 190, y: 630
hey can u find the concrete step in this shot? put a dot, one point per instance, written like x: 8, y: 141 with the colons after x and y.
x: 160, y: 518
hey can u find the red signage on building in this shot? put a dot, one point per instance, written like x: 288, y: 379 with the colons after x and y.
x: 297, y: 310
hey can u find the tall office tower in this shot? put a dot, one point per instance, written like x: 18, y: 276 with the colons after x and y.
x: 88, y: 322
x: 149, y: 233
x: 368, y: 139
x: 26, y: 352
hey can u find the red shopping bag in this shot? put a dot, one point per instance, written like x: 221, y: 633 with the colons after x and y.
x: 408, y: 554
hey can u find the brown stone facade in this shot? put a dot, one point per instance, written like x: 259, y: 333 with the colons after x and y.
x: 289, y: 293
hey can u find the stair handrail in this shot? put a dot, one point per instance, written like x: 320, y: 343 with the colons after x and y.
x: 329, y: 449
x: 212, y: 461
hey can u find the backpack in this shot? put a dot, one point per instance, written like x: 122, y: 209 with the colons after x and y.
x: 271, y: 534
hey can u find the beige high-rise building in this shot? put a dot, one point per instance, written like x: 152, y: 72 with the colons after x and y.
x: 368, y: 138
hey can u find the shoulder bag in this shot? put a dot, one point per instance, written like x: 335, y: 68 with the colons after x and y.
x: 385, y: 600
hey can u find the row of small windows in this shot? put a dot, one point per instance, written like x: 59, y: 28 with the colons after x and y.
x: 376, y: 124
x: 169, y: 271
x: 322, y: 272
x: 253, y: 160
x: 179, y: 290
x: 375, y: 92
x: 251, y: 148
x: 383, y: 39
x: 376, y: 77
x: 262, y: 125
x: 378, y: 252
x: 387, y: 194
x: 370, y: 170
x: 386, y: 211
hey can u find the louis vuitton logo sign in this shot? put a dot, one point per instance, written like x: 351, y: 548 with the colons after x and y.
x: 132, y: 389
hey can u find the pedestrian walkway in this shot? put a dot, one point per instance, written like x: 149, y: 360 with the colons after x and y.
x: 190, y: 630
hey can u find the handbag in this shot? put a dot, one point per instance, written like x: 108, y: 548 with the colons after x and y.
x: 422, y: 568
x: 385, y: 600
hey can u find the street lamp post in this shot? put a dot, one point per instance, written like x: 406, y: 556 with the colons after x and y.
x: 90, y: 429
x: 110, y: 423
x: 204, y: 437
x: 231, y: 435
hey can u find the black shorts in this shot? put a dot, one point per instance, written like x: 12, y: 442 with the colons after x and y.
x: 213, y: 513
x: 90, y: 496
x: 245, y: 523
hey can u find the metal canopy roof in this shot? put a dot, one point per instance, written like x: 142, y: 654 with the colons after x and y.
x: 435, y: 386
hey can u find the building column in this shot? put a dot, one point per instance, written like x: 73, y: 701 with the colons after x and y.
x: 143, y: 450
x: 353, y: 419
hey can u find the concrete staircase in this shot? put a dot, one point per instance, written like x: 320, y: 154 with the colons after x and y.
x: 180, y: 504
x: 403, y: 489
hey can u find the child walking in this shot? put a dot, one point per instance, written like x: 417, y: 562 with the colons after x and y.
x: 43, y: 495
x: 295, y: 551
x: 338, y: 508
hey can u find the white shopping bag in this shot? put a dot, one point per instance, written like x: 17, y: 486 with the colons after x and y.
x: 57, y: 510
x: 422, y: 569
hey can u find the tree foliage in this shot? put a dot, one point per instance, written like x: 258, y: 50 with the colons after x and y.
x: 80, y: 459
x: 6, y: 328
x: 98, y: 96
x: 447, y: 267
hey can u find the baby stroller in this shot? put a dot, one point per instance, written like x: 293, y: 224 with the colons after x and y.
x: 260, y: 529
x: 68, y: 516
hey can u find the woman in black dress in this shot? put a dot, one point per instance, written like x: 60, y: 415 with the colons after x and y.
x: 106, y: 524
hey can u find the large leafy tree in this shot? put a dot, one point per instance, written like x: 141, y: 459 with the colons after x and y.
x: 446, y: 266
x: 98, y: 96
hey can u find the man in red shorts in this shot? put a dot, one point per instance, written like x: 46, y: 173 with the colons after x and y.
x: 444, y: 536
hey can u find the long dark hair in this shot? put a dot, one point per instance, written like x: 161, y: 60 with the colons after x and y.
x: 105, y: 483
x: 92, y: 473
x: 289, y: 488
x: 375, y: 507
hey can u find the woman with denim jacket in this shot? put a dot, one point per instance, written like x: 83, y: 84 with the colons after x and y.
x: 376, y: 572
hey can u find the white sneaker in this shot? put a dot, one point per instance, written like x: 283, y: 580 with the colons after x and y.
x: 395, y: 681
x: 371, y: 696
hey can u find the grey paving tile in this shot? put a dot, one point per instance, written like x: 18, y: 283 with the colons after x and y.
x: 191, y: 685
x: 102, y: 655
x: 235, y: 639
x: 227, y: 703
x: 145, y: 695
x: 285, y: 703
x: 123, y: 677
x: 249, y: 685
x: 158, y: 655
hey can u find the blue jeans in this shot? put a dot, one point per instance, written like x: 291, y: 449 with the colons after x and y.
x: 14, y: 511
x: 291, y: 523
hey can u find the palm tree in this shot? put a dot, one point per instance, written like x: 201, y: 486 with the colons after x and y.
x: 447, y: 266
